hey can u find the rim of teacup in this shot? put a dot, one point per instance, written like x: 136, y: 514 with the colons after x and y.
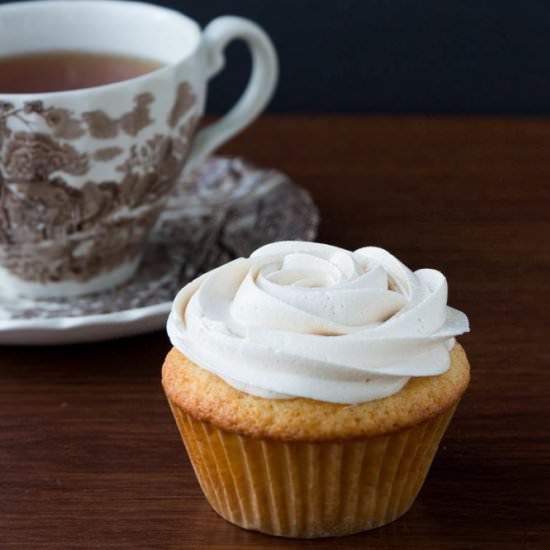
x: 130, y: 4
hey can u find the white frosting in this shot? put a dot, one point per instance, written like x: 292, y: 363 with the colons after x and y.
x: 301, y: 319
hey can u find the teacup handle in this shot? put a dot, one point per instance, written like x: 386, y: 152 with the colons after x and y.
x: 258, y: 92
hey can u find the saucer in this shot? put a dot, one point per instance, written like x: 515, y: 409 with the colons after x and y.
x: 224, y: 210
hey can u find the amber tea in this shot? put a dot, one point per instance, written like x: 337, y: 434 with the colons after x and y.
x: 68, y: 70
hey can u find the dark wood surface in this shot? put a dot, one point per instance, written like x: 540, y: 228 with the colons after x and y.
x: 90, y: 457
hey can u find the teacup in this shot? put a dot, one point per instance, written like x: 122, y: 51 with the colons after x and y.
x: 85, y: 173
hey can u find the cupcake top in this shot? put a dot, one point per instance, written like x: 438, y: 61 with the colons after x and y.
x: 301, y: 319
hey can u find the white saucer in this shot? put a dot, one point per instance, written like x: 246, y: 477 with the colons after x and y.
x: 224, y: 210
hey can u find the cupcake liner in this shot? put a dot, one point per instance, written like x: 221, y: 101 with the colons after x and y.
x: 307, y: 490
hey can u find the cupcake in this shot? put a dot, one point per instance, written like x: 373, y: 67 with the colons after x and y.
x: 312, y: 385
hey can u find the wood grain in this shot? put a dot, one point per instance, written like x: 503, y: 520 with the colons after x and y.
x: 90, y: 457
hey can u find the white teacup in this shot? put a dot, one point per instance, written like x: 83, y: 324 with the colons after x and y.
x: 85, y: 173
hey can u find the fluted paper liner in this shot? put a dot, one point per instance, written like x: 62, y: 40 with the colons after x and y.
x: 310, y: 490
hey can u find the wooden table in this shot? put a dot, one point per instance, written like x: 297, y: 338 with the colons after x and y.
x: 90, y: 457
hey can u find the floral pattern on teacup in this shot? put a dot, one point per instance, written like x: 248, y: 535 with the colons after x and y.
x: 51, y: 229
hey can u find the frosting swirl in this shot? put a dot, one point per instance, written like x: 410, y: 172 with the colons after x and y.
x: 301, y: 319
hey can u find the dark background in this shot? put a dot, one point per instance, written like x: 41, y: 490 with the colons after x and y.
x: 394, y: 56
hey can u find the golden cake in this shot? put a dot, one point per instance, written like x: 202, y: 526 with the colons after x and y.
x: 301, y: 416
